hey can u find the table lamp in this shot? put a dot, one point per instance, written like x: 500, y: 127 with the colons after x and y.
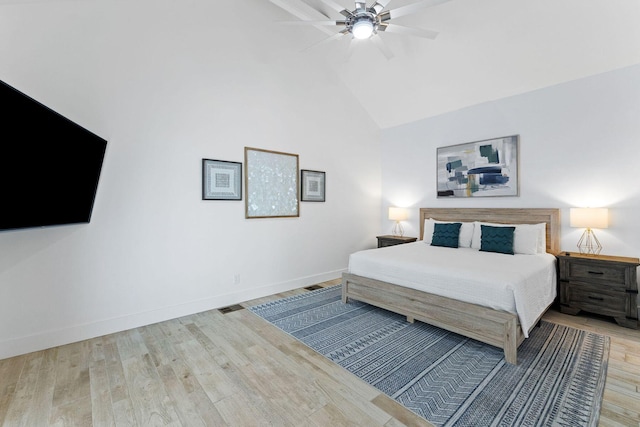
x: 589, y: 218
x: 397, y: 215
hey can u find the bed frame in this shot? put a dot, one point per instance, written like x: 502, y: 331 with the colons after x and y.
x: 498, y: 328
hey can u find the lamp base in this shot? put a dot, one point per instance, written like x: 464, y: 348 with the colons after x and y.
x: 589, y: 243
x: 397, y: 229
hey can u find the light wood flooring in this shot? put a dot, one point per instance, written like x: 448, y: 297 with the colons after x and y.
x: 234, y: 369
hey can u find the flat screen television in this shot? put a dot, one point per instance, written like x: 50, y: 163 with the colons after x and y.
x: 49, y: 166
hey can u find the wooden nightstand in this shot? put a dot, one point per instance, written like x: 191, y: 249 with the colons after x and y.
x: 390, y: 240
x: 601, y: 284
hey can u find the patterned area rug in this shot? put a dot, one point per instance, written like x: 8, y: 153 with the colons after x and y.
x: 448, y: 379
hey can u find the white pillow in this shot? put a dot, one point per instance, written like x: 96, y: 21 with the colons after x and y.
x: 464, y: 238
x: 525, y: 237
x: 525, y: 240
x: 542, y: 237
x: 541, y: 230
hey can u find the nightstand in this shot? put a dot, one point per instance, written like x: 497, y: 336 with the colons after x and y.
x: 390, y: 240
x: 601, y: 284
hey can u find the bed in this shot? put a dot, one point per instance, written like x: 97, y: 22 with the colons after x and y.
x: 408, y: 286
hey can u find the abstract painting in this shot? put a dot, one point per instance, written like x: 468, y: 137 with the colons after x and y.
x: 271, y: 181
x: 486, y: 168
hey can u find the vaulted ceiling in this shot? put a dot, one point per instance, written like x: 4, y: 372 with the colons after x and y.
x: 485, y: 50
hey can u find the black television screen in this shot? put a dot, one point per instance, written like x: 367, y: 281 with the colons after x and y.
x: 49, y: 166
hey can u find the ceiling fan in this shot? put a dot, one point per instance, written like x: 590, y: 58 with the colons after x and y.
x: 362, y: 22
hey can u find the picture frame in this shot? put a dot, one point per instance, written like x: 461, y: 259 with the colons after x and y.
x: 271, y: 180
x: 487, y: 168
x: 221, y: 180
x: 313, y: 187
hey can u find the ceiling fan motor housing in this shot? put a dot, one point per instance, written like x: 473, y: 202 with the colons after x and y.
x: 362, y: 24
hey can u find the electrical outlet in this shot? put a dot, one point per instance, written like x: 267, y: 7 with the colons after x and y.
x: 236, y: 279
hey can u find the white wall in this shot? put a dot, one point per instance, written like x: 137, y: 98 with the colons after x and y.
x: 579, y: 147
x: 167, y: 84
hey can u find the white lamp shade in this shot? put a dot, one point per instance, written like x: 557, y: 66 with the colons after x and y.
x: 589, y: 217
x: 397, y: 214
x: 362, y: 29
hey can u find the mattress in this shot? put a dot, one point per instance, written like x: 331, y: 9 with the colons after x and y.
x: 521, y: 284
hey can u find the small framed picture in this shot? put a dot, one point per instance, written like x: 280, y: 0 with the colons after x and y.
x: 313, y: 186
x: 221, y: 180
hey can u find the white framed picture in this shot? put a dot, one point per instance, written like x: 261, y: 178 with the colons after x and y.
x: 313, y: 186
x: 221, y: 180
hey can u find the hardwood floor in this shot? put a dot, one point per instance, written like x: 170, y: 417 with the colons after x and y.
x: 234, y: 369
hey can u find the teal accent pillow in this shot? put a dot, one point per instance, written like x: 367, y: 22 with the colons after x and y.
x: 497, y: 239
x: 446, y: 235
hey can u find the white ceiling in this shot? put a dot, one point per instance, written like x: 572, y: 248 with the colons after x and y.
x: 485, y: 50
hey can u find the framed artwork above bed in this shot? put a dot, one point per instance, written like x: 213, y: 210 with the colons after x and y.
x: 486, y: 168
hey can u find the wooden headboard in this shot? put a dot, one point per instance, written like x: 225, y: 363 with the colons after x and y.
x: 501, y: 216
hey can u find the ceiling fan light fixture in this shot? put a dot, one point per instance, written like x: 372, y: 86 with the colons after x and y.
x: 362, y: 29
x: 362, y: 22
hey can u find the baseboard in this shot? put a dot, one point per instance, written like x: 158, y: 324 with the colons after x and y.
x: 54, y: 338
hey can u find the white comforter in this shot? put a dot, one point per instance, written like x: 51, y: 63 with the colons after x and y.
x: 520, y: 284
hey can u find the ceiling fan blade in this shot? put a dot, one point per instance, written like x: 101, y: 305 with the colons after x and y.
x: 299, y: 9
x: 303, y: 11
x: 382, y: 3
x: 336, y: 23
x: 380, y: 44
x: 327, y: 40
x: 409, y: 9
x: 379, y: 5
x: 399, y: 29
x: 335, y: 6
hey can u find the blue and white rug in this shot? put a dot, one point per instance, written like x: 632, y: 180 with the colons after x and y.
x: 448, y: 379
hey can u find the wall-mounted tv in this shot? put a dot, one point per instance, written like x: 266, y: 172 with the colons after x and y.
x: 49, y: 166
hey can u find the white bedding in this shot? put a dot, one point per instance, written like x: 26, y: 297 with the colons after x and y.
x: 521, y: 284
